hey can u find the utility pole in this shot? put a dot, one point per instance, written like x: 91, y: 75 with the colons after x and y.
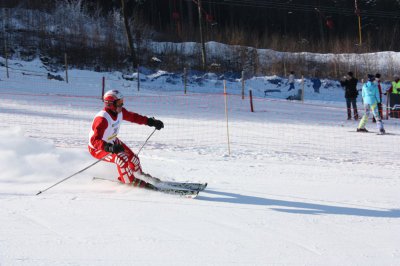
x: 203, y: 46
x: 357, y: 11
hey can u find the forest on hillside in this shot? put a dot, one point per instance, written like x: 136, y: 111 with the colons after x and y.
x: 291, y: 25
x: 117, y: 30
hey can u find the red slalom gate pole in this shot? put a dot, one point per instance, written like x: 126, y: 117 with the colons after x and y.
x: 251, y: 101
x: 103, y: 84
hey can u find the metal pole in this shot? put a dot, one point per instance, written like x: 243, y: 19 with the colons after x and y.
x: 87, y: 167
x: 146, y: 141
x: 66, y: 67
x: 103, y: 85
x: 251, y: 101
x: 242, y: 85
x: 387, y: 106
x: 138, y: 78
x: 184, y: 79
x: 226, y: 115
x: 302, y: 89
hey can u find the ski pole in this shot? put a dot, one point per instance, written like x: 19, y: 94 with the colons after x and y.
x: 87, y: 167
x: 146, y: 141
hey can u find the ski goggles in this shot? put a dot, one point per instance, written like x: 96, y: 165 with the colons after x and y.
x: 119, y: 103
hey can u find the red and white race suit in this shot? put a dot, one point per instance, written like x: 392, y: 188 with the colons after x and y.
x: 105, y: 128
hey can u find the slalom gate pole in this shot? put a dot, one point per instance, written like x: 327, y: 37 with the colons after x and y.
x: 87, y: 167
x: 226, y: 116
x: 387, y: 106
x: 146, y: 141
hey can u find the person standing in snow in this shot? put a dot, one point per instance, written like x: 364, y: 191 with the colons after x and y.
x: 378, y: 83
x: 371, y: 98
x: 349, y: 83
x: 291, y: 81
x: 393, y: 94
x: 316, y: 84
x: 104, y: 142
x: 395, y: 88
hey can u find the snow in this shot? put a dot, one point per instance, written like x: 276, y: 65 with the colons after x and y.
x: 385, y: 61
x: 299, y: 186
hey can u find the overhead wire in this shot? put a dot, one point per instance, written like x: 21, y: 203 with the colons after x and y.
x: 306, y: 8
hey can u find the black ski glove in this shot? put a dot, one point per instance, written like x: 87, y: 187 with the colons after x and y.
x: 152, y: 122
x: 113, y: 148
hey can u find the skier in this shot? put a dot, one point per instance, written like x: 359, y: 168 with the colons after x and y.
x: 103, y: 138
x: 371, y: 98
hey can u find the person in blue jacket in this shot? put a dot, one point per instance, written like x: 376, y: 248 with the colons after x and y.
x: 371, y: 98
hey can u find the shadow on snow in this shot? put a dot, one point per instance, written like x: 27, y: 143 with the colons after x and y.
x: 296, y: 206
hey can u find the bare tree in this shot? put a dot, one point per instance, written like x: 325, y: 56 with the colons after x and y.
x: 128, y: 34
x: 203, y: 46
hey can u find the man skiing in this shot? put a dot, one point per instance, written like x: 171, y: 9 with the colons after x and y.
x: 371, y: 98
x: 104, y: 143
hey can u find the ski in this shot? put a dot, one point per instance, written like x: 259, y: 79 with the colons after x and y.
x: 387, y: 134
x: 185, y: 185
x: 158, y: 182
x: 163, y: 188
x: 187, y: 193
x: 377, y: 133
x: 361, y: 132
x: 173, y: 184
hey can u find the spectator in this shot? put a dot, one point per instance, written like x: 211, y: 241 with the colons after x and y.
x: 291, y: 81
x: 395, y: 88
x: 370, y: 94
x: 316, y: 84
x: 394, y: 97
x: 378, y: 83
x: 349, y: 83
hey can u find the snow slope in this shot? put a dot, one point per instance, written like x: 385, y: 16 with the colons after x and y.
x: 298, y: 188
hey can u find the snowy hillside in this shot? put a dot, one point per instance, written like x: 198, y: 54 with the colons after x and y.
x: 297, y: 186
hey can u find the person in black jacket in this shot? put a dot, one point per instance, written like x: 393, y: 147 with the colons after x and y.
x: 349, y: 83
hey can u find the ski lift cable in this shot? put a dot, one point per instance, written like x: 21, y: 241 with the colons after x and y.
x: 306, y: 8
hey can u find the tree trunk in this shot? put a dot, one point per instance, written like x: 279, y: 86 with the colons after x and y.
x: 128, y: 34
x: 203, y: 46
x: 190, y: 14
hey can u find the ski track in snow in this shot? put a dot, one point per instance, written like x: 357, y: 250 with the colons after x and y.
x: 299, y: 187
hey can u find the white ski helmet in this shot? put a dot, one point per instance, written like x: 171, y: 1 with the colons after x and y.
x: 113, y: 99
